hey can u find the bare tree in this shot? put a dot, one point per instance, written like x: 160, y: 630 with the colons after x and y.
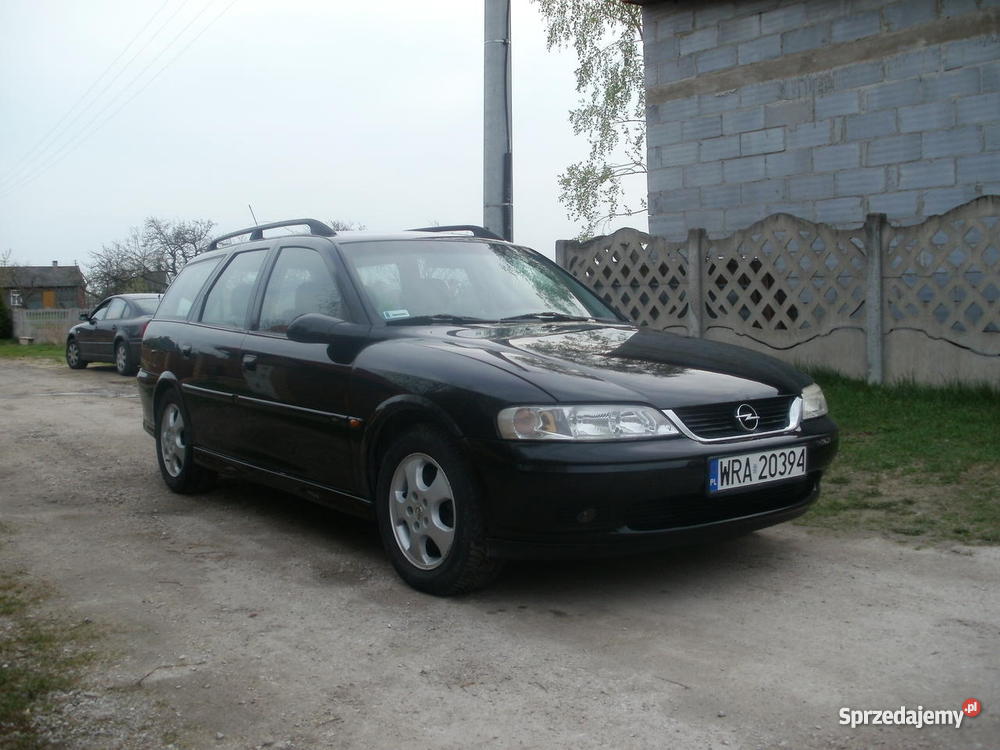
x: 123, y: 266
x: 339, y: 225
x: 8, y: 269
x: 147, y: 260
x: 174, y: 243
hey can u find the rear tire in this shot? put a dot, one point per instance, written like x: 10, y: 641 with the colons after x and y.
x: 123, y: 359
x: 174, y: 452
x: 73, y: 358
x: 430, y: 515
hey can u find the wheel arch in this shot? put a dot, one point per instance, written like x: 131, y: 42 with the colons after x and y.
x: 392, y: 418
x: 167, y: 383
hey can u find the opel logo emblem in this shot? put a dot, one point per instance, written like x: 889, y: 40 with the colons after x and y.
x: 747, y: 417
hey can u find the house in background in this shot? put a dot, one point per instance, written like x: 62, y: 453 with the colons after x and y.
x: 43, y: 287
x: 824, y: 109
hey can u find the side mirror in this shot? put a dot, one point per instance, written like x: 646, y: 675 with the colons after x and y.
x: 316, y: 328
x: 85, y: 316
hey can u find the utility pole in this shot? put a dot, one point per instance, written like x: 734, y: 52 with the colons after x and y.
x: 498, y: 185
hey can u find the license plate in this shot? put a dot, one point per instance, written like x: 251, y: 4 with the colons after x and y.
x: 730, y: 472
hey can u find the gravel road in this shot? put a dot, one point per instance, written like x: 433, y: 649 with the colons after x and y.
x: 245, y: 618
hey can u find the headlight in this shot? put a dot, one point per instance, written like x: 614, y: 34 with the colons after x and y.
x: 813, y: 402
x: 591, y: 422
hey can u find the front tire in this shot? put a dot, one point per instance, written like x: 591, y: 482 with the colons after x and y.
x: 73, y: 358
x: 124, y: 363
x: 430, y: 515
x: 174, y: 452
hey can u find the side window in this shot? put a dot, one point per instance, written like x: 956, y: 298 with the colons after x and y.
x: 115, y: 309
x: 177, y: 300
x: 300, y: 283
x: 100, y: 313
x: 228, y: 299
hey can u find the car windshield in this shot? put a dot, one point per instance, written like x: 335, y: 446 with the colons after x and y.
x: 146, y: 305
x: 456, y: 281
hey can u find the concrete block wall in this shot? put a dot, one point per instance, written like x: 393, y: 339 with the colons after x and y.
x: 824, y: 109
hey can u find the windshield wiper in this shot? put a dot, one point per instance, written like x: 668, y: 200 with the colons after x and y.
x: 546, y: 315
x: 424, y: 320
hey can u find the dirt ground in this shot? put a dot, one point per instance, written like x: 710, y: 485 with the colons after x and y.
x: 245, y: 618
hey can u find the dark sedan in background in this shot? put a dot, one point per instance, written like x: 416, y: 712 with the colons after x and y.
x: 111, y: 332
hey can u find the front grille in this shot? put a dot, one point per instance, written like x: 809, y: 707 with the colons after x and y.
x: 719, y: 420
x: 693, y: 510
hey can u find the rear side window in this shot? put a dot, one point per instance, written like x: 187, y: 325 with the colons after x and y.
x: 227, y: 301
x: 116, y: 308
x: 177, y: 301
x: 144, y: 306
x: 300, y: 283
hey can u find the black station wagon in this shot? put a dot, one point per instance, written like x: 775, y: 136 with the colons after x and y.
x: 471, y: 396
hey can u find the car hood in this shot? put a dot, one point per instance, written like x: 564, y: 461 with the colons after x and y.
x: 619, y: 363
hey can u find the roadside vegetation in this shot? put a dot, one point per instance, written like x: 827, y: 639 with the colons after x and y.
x: 38, y: 657
x: 915, y: 461
x: 11, y: 349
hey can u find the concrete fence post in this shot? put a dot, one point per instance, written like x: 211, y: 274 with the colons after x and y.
x: 696, y: 244
x: 876, y: 235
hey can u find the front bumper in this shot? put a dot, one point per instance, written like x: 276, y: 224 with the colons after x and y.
x: 562, y: 499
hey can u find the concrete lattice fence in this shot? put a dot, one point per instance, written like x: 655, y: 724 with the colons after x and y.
x: 45, y: 326
x: 888, y: 303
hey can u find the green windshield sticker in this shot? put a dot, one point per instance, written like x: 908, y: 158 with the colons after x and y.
x: 393, y: 314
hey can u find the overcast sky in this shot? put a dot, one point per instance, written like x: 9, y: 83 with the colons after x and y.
x: 363, y: 111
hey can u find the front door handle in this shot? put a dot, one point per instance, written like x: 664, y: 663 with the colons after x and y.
x: 186, y: 351
x: 250, y: 362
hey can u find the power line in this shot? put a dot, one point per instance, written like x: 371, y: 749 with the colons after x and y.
x: 67, y: 148
x: 31, y: 152
x: 16, y: 172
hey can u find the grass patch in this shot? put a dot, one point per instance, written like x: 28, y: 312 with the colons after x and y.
x: 915, y: 461
x: 38, y: 657
x: 11, y: 349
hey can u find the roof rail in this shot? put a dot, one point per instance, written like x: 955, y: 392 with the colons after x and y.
x: 257, y: 233
x: 476, y: 230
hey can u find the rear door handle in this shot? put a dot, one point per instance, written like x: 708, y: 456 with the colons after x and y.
x: 250, y: 362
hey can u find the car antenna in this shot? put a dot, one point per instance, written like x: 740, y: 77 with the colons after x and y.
x: 255, y: 222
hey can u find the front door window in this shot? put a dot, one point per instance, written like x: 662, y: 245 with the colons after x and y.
x: 300, y: 283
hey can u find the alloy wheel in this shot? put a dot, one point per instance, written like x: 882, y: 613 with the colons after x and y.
x: 172, y: 445
x: 422, y: 511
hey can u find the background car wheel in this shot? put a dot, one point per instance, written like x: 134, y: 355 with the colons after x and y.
x: 174, y: 452
x: 73, y: 358
x: 430, y: 515
x: 123, y: 359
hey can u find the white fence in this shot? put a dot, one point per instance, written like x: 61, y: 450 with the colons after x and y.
x: 45, y: 326
x: 883, y: 302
